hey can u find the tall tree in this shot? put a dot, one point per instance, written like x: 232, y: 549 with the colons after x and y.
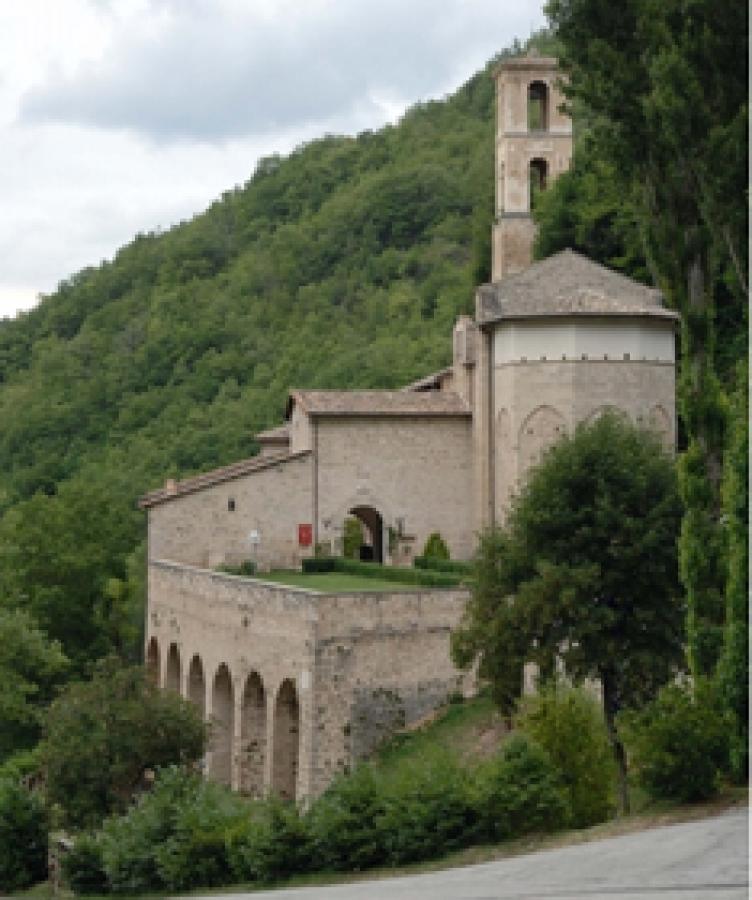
x: 664, y: 85
x: 585, y: 571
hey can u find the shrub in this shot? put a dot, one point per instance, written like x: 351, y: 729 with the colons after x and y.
x: 352, y: 538
x: 270, y: 844
x: 427, y: 809
x: 83, y: 866
x: 451, y: 566
x: 519, y: 792
x: 23, y: 837
x: 247, y: 568
x: 318, y: 564
x: 173, y: 838
x: 678, y: 743
x: 435, y: 547
x: 568, y: 724
x: 102, y: 735
x: 341, y: 823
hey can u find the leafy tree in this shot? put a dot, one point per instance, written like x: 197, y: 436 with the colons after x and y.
x: 734, y: 665
x: 31, y: 668
x: 102, y: 736
x: 23, y: 837
x: 678, y: 743
x: 584, y: 571
x: 352, y: 537
x: 665, y: 90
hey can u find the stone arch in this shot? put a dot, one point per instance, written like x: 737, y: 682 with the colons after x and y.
x: 542, y: 428
x: 537, y: 178
x: 373, y: 523
x: 659, y: 421
x: 602, y: 410
x: 172, y: 669
x: 286, y: 741
x: 537, y: 106
x: 253, y: 736
x: 223, y: 727
x: 153, y: 667
x: 197, y: 685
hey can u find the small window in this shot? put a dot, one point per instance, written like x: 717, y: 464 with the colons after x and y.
x: 537, y: 106
x: 231, y: 504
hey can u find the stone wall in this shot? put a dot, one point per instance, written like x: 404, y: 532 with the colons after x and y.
x: 303, y: 683
x: 216, y: 524
x: 417, y: 470
x: 538, y: 401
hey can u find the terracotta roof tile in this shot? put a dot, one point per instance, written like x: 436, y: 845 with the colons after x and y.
x: 173, y: 489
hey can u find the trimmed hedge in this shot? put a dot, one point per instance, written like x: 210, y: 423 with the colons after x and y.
x: 398, y: 575
x: 451, y: 566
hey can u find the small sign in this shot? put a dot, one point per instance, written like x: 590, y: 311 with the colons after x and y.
x: 305, y: 535
x: 254, y: 537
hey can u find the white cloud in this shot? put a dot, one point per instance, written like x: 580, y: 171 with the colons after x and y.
x: 118, y: 116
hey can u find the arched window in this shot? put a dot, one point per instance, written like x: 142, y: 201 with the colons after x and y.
x: 538, y: 179
x: 537, y: 106
x: 172, y: 669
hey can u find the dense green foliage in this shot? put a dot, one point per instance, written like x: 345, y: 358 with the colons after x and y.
x: 585, y: 571
x: 23, y: 837
x: 352, y: 537
x: 734, y: 666
x: 103, y: 736
x: 567, y: 722
x: 186, y: 832
x: 31, y: 667
x: 662, y: 86
x: 678, y: 743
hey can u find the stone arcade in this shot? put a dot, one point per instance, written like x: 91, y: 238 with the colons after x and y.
x: 301, y: 684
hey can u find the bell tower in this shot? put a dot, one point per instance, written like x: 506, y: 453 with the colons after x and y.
x: 533, y: 147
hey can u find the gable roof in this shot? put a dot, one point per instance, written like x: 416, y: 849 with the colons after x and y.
x: 379, y: 403
x: 567, y: 284
x: 173, y: 489
x: 430, y: 382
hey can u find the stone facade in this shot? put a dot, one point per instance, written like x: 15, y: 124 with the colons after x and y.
x: 533, y: 144
x: 300, y: 685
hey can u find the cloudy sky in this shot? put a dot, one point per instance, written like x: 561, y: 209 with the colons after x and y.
x: 119, y: 116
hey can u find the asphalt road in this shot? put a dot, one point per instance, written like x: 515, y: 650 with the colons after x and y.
x: 704, y: 860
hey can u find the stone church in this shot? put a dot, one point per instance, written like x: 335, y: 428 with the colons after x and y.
x: 301, y: 684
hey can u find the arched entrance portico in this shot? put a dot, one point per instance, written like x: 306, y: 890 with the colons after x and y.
x: 372, y: 549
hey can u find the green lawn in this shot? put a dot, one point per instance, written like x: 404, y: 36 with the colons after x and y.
x: 335, y: 582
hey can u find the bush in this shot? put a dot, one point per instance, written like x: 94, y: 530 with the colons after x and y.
x: 454, y: 567
x: 83, y: 866
x: 519, y: 792
x: 318, y: 564
x: 678, y: 743
x: 247, y: 569
x: 341, y: 823
x: 427, y: 809
x: 352, y: 538
x: 102, y: 735
x: 23, y: 837
x: 173, y: 838
x: 272, y: 843
x: 435, y: 547
x: 568, y: 724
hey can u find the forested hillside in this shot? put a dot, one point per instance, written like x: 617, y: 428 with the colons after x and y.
x: 343, y: 265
